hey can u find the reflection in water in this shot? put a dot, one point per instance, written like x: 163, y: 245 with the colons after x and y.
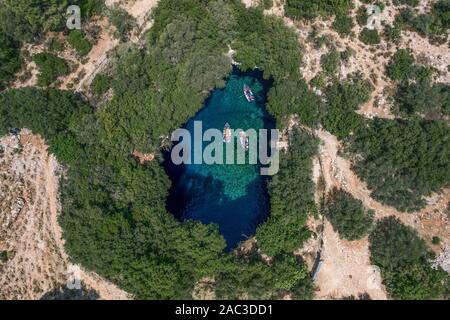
x: 232, y: 196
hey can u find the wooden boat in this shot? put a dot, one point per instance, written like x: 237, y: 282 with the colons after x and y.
x: 227, y: 133
x: 248, y: 93
x: 244, y: 140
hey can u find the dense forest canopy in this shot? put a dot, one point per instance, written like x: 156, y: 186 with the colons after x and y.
x: 403, y: 161
x: 292, y: 198
x: 10, y: 60
x: 404, y: 261
x: 114, y: 212
x: 305, y: 9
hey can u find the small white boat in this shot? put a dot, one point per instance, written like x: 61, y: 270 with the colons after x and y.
x: 244, y: 140
x: 248, y: 93
x: 227, y: 133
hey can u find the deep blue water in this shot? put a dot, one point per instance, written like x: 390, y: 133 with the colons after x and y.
x: 232, y: 196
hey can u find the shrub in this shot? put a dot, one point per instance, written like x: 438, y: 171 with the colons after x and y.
x: 403, y: 259
x: 50, y: 68
x: 79, y: 42
x: 423, y: 97
x: 369, y: 37
x: 362, y: 16
x: 123, y: 22
x: 306, y: 9
x: 343, y: 24
x: 412, y: 3
x: 436, y: 240
x: 343, y: 98
x: 292, y: 96
x: 318, y: 81
x: 330, y: 62
x: 267, y: 4
x: 392, y: 33
x: 10, y: 60
x: 54, y: 45
x: 348, y: 215
x: 291, y: 198
x: 402, y: 67
x: 402, y: 161
x: 100, y: 84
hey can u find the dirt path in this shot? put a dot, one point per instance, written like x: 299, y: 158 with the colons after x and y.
x: 346, y: 269
x: 370, y: 60
x: 30, y: 233
x: 97, y: 60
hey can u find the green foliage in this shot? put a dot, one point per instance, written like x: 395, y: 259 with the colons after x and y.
x: 412, y: 3
x: 28, y: 20
x: 318, y: 81
x: 436, y: 240
x: 10, y: 60
x: 392, y: 33
x: 77, y: 40
x: 369, y: 37
x: 254, y: 279
x: 91, y: 8
x: 362, y: 16
x: 403, y: 161
x: 441, y: 11
x: 343, y: 24
x: 267, y: 4
x: 403, y: 67
x: 55, y: 45
x: 330, y: 62
x: 101, y: 84
x: 403, y: 259
x: 348, y: 215
x: 434, y: 24
x: 305, y: 9
x: 3, y: 256
x: 123, y: 22
x: 292, y: 96
x: 50, y: 68
x: 45, y: 112
x: 343, y: 98
x: 291, y: 198
x: 431, y: 100
x: 25, y: 19
x: 272, y: 47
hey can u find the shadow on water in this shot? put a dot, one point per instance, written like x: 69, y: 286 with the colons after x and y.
x: 234, y: 196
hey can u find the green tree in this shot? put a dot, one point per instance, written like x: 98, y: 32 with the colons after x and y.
x: 123, y: 22
x: 10, y: 60
x: 402, y: 161
x: 50, y: 68
x: 369, y: 37
x: 347, y: 215
x: 403, y: 259
x: 343, y: 24
x: 101, y: 84
x: 291, y: 198
x: 77, y: 40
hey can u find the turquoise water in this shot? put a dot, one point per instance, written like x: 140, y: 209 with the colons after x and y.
x: 234, y: 196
